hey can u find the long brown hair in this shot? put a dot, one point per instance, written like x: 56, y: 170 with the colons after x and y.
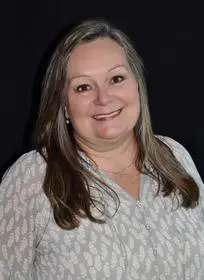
x: 67, y: 180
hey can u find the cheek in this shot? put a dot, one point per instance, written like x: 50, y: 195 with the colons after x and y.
x: 131, y: 94
x: 78, y: 107
x: 133, y: 100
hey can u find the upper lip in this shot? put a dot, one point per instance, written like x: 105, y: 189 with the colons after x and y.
x: 107, y: 113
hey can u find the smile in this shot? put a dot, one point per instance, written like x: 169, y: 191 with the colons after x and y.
x: 100, y: 117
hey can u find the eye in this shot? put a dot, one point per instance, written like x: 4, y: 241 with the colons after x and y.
x: 82, y: 88
x: 117, y: 79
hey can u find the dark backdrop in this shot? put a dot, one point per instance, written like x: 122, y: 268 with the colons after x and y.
x: 167, y: 35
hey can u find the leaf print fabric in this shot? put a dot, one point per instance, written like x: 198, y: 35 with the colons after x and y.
x: 144, y: 240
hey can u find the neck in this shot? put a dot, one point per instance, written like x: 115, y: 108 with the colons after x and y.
x: 115, y: 157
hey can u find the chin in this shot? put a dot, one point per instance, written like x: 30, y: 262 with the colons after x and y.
x: 113, y: 135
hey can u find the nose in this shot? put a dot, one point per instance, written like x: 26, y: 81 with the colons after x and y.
x: 103, y: 96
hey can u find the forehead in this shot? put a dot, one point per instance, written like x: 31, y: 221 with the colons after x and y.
x: 100, y: 53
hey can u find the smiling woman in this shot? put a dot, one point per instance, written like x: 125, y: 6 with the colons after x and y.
x: 102, y: 94
x: 100, y: 196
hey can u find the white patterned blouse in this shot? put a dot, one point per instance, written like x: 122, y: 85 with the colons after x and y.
x: 146, y: 239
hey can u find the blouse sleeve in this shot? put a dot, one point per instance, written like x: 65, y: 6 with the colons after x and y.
x: 187, y: 162
x: 19, y: 201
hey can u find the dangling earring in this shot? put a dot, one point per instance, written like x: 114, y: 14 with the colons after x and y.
x: 66, y: 115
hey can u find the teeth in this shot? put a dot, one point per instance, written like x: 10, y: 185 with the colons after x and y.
x: 102, y: 116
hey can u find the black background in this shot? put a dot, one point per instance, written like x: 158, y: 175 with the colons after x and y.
x: 167, y: 34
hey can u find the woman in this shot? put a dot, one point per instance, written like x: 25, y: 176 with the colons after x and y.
x: 100, y: 196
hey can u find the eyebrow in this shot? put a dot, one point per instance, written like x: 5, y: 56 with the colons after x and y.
x: 109, y: 70
x: 119, y: 65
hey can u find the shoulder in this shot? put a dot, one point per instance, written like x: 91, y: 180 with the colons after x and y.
x: 177, y: 148
x: 23, y: 203
x: 182, y: 155
x: 31, y: 160
x: 25, y: 173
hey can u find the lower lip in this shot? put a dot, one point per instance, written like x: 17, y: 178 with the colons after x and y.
x: 109, y: 117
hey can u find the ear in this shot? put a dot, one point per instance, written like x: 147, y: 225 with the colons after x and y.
x: 66, y: 114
